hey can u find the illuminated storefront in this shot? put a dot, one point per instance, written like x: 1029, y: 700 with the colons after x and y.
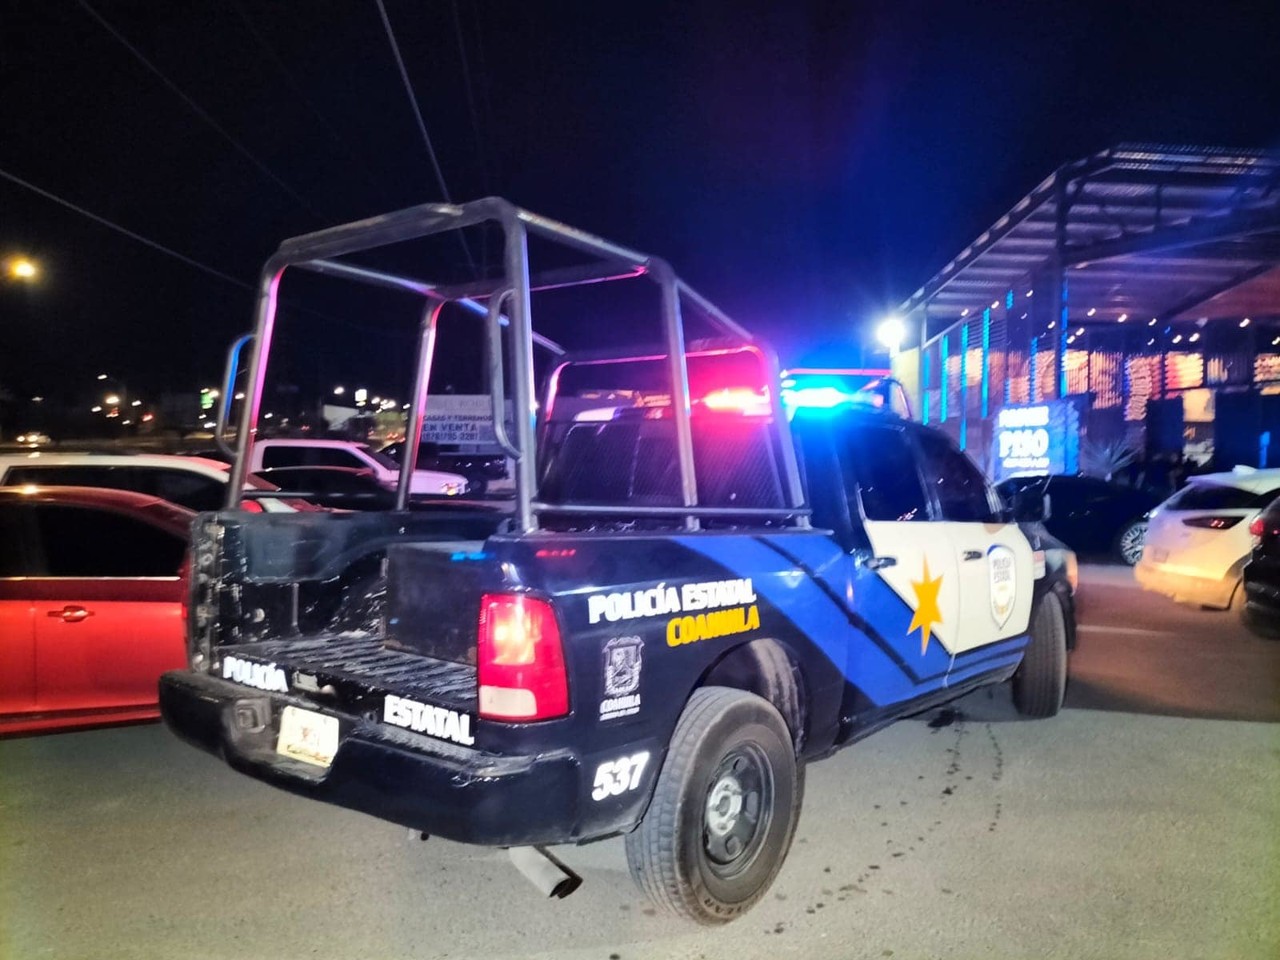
x: 1142, y: 285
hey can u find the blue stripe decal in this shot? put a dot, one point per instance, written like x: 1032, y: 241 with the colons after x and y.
x: 1012, y: 645
x: 960, y: 676
x: 888, y: 667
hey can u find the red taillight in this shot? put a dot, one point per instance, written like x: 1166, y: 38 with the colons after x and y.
x: 1257, y: 528
x: 520, y: 659
x: 1212, y: 523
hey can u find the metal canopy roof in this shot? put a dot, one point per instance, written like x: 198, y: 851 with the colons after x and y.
x: 1139, y: 229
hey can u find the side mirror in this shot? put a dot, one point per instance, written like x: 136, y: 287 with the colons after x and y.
x: 1031, y: 506
x: 1028, y: 505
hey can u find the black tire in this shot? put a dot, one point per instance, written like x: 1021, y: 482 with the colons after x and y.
x: 1041, y: 679
x: 1261, y: 626
x: 1129, y: 542
x: 699, y: 852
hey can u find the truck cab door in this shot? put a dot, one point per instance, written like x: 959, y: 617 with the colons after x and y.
x: 993, y: 560
x: 910, y: 554
x: 895, y: 575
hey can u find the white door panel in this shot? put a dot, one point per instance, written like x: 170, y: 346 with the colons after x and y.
x: 996, y: 580
x: 923, y: 573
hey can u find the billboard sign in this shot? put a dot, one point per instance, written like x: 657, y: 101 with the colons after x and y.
x: 459, y: 418
x: 1041, y: 438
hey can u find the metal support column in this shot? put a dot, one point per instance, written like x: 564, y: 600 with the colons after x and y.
x: 1058, y: 278
x: 418, y: 402
x: 524, y: 403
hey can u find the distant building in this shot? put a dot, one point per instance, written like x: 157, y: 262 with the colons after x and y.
x: 1135, y: 294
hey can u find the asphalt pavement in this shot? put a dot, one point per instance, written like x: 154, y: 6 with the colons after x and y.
x: 1144, y: 821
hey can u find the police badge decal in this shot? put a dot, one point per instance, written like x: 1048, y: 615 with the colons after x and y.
x: 622, y: 662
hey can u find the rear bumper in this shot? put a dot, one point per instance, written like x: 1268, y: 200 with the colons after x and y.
x: 1206, y: 591
x: 452, y: 792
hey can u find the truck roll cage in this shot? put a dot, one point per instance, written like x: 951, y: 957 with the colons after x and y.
x: 503, y: 305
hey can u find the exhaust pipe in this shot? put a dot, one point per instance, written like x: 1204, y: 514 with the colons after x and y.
x: 544, y: 871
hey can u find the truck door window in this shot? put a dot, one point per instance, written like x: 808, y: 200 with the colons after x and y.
x: 962, y: 491
x: 882, y: 468
x: 820, y: 472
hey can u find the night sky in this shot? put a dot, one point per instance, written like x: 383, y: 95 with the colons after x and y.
x: 805, y: 165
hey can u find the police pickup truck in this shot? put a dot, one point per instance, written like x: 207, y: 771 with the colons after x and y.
x: 708, y: 577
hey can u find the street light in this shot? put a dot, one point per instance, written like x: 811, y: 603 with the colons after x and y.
x: 891, y: 332
x: 22, y: 269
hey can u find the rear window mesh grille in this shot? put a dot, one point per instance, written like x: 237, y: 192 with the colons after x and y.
x: 635, y: 463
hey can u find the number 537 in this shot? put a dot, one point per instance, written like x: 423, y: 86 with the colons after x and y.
x: 616, y: 777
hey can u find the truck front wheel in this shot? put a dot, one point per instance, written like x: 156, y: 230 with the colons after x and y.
x: 724, y: 809
x: 1041, y: 679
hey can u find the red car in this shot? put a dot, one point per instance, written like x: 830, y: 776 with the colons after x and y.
x: 92, y: 584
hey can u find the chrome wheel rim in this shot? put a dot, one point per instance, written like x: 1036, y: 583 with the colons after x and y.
x: 1131, y: 543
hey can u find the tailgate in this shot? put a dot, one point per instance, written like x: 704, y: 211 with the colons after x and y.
x: 433, y: 599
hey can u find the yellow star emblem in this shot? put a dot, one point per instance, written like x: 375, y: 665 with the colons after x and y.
x: 927, y: 611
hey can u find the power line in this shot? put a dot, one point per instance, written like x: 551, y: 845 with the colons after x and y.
x: 422, y: 126
x: 482, y: 154
x: 413, y: 102
x: 199, y: 110
x: 168, y: 251
x: 126, y: 231
x: 292, y: 83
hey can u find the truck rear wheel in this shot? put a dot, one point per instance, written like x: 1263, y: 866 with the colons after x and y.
x: 1041, y: 679
x: 724, y: 809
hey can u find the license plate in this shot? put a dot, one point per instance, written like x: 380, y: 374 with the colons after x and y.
x: 307, y: 736
x: 1159, y: 555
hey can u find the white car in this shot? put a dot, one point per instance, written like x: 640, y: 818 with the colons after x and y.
x: 192, y: 482
x: 1198, y: 540
x: 270, y: 454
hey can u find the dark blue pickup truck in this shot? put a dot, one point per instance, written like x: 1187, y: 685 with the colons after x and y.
x: 708, y: 576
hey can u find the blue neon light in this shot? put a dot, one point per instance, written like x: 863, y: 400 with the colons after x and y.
x: 924, y: 392
x: 1031, y: 368
x: 942, y: 380
x: 986, y: 361
x: 1064, y: 321
x: 964, y: 385
x: 1008, y: 300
